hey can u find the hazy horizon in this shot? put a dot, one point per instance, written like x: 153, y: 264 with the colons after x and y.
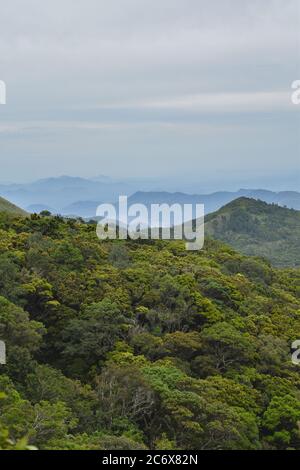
x: 188, y: 185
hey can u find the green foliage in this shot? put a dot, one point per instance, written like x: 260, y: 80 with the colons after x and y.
x: 281, y: 422
x: 143, y: 345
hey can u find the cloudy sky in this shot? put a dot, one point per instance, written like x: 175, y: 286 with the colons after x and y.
x: 179, y: 89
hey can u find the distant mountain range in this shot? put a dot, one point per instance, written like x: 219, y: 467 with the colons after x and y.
x: 214, y: 201
x: 60, y: 193
x: 258, y: 229
x: 80, y: 197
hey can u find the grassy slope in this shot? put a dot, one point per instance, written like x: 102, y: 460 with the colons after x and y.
x: 6, y: 206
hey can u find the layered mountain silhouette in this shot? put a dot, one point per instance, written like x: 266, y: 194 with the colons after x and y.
x: 80, y: 196
x: 215, y: 201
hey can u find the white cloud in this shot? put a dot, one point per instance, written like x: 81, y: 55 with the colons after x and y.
x: 213, y: 103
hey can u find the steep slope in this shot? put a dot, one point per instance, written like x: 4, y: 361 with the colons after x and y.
x: 257, y: 228
x: 8, y: 207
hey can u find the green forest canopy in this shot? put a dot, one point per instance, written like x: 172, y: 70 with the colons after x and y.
x: 142, y: 344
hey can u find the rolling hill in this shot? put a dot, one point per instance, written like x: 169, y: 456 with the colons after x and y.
x: 258, y: 229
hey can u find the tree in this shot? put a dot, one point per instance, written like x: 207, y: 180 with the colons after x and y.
x: 281, y: 422
x: 87, y: 340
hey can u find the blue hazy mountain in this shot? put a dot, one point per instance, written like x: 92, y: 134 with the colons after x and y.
x: 212, y: 202
x: 60, y: 192
x: 81, y: 196
x: 216, y: 200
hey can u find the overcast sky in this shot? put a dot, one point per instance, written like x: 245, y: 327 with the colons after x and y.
x: 173, y: 88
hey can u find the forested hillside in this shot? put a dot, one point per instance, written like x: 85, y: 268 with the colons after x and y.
x: 141, y: 344
x: 257, y: 228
